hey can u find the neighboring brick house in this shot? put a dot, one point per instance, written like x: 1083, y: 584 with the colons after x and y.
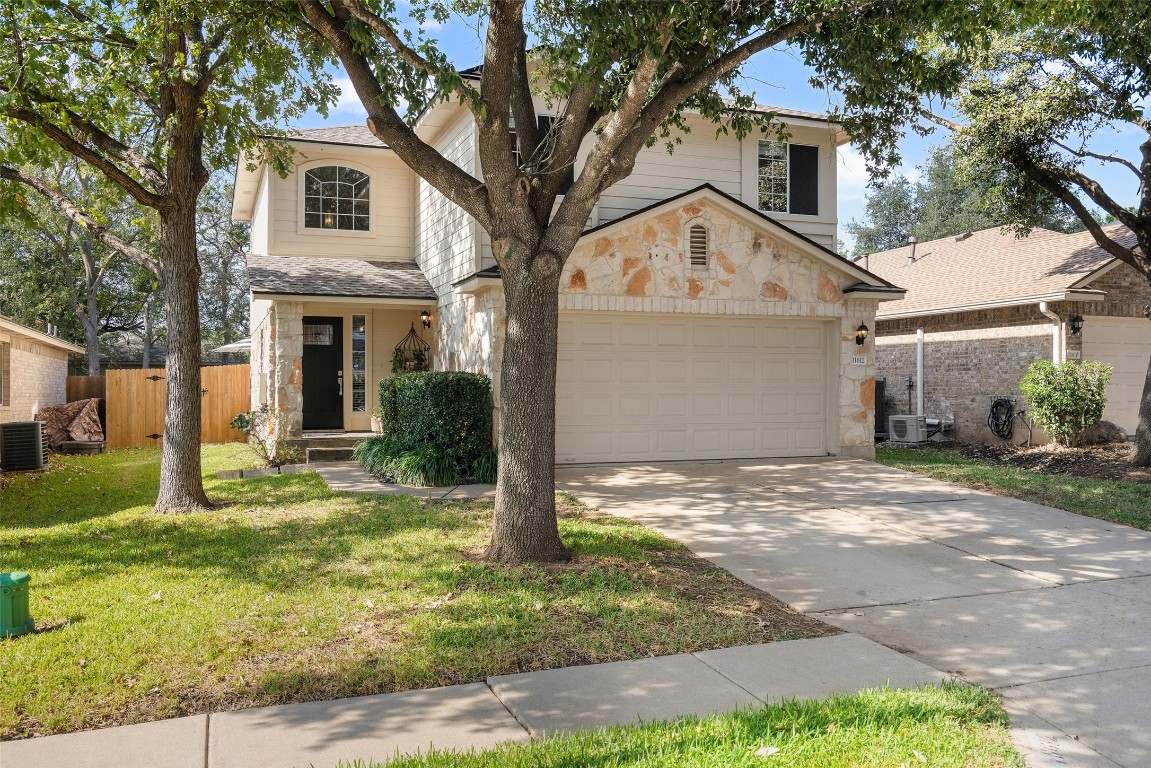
x: 702, y: 315
x: 980, y: 300
x: 33, y: 370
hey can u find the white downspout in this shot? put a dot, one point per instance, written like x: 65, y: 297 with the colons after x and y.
x: 919, y: 371
x: 1056, y: 333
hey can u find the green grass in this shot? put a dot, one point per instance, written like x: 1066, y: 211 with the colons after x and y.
x: 949, y: 725
x: 292, y: 592
x: 1114, y: 500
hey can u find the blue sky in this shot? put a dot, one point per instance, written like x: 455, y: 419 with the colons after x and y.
x: 779, y: 77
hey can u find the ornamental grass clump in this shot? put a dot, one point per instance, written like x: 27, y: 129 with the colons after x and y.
x: 1066, y: 398
x: 437, y: 430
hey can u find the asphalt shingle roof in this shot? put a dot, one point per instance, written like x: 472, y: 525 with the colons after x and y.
x: 323, y: 276
x: 989, y: 267
x: 356, y: 135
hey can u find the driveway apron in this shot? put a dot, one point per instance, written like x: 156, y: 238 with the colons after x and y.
x: 1051, y: 609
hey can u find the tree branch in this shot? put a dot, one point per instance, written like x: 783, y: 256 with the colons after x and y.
x: 460, y: 187
x: 1103, y: 158
x: 69, y: 208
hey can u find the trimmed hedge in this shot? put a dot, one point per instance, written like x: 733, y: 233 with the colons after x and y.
x: 437, y: 429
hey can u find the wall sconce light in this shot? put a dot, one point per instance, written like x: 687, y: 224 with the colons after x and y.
x: 426, y: 319
x: 861, y: 334
x: 1076, y: 325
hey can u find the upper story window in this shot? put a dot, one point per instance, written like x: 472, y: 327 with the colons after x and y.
x: 336, y: 197
x: 788, y: 178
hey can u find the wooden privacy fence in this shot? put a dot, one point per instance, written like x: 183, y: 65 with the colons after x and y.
x: 135, y: 402
x: 85, y: 387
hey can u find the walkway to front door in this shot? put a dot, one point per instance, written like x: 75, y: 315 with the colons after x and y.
x: 1047, y: 607
x: 323, y: 363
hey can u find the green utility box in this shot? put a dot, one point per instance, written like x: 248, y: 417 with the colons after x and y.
x: 14, y: 616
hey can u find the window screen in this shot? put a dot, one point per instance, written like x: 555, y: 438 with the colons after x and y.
x: 788, y: 178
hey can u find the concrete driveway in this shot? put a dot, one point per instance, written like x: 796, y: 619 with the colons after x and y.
x: 1051, y: 609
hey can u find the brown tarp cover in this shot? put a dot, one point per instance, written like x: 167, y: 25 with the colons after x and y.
x: 72, y: 421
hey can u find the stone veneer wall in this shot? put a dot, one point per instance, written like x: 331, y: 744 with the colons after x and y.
x: 39, y: 378
x: 470, y: 336
x: 277, y: 372
x: 642, y: 267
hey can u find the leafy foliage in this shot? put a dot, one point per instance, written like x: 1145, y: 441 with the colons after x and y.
x: 944, y: 203
x: 265, y: 428
x: 437, y: 429
x: 1066, y: 398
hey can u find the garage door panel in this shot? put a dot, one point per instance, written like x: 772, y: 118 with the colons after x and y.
x: 673, y: 388
x: 1125, y: 345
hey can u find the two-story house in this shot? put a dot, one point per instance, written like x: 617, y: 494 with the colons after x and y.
x: 704, y: 313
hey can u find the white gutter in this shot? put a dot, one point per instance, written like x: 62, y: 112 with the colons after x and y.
x: 1073, y: 295
x: 1056, y: 333
x: 919, y: 371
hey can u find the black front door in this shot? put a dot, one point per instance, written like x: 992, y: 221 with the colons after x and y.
x: 323, y: 373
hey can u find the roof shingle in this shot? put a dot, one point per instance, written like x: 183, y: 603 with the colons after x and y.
x: 355, y: 135
x: 323, y: 276
x: 989, y: 267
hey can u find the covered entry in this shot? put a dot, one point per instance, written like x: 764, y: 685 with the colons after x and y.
x: 642, y: 387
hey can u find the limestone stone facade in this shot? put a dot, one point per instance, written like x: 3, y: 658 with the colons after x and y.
x: 646, y: 266
x: 277, y: 373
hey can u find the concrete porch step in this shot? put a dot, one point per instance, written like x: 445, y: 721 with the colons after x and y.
x: 327, y: 453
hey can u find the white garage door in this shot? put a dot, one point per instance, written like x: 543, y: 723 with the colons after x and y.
x: 1125, y: 345
x: 660, y: 388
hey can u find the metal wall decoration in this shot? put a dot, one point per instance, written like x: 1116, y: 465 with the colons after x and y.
x: 412, y: 354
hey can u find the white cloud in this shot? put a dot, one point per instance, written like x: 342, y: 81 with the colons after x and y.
x: 349, y: 103
x: 851, y: 174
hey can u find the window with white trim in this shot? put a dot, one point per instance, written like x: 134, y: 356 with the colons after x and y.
x: 697, y: 246
x: 337, y: 197
x: 359, y: 363
x: 788, y: 178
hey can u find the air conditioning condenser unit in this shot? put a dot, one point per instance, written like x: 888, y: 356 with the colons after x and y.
x: 907, y: 429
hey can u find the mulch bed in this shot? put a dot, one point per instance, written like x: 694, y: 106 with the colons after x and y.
x: 1107, y: 462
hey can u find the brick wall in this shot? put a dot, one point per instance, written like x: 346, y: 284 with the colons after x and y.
x: 39, y: 378
x: 968, y: 359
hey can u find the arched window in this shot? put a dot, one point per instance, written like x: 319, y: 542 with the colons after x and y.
x: 697, y: 245
x: 336, y: 197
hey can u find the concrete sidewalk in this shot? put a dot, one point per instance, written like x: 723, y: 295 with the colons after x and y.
x: 478, y: 715
x: 349, y: 476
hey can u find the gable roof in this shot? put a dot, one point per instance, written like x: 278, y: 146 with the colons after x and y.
x: 323, y: 276
x: 11, y: 326
x: 758, y: 218
x: 991, y: 269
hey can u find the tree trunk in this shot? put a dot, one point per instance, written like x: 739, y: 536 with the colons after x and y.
x: 181, y: 485
x: 146, y: 340
x: 92, y: 330
x: 1142, y: 455
x: 524, y: 526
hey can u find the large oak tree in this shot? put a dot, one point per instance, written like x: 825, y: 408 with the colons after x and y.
x: 151, y: 94
x: 620, y: 75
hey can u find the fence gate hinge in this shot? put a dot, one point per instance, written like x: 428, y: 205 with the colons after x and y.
x: 154, y: 377
x: 203, y: 393
x: 154, y: 436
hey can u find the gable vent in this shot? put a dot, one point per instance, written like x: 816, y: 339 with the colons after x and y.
x: 697, y: 245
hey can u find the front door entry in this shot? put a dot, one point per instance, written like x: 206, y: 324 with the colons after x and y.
x: 323, y: 373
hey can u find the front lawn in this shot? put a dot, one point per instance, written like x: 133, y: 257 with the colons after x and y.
x: 1119, y: 501
x: 292, y: 592
x: 950, y: 725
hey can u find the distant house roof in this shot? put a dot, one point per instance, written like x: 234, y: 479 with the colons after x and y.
x: 11, y: 326
x: 353, y: 135
x: 989, y: 268
x: 323, y: 276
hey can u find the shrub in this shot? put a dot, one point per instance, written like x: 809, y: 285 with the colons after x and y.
x: 1066, y: 398
x: 264, y: 428
x: 437, y: 429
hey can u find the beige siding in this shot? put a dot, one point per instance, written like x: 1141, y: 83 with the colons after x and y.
x: 39, y: 378
x: 260, y: 215
x: 390, y: 236
x: 445, y: 237
x: 700, y: 159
